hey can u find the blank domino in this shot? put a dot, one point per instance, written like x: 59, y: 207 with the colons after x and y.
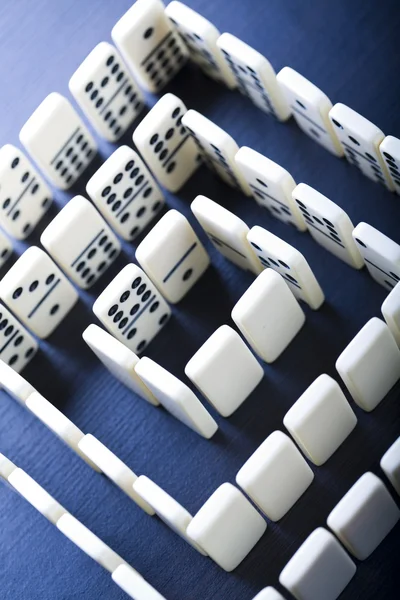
x: 224, y: 370
x: 15, y: 384
x: 166, y: 508
x: 268, y: 315
x: 320, y: 420
x: 134, y: 585
x: 390, y: 152
x: 227, y: 527
x: 319, y: 569
x: 275, y: 476
x: 6, y: 467
x: 370, y: 364
x: 112, y: 466
x: 118, y: 359
x: 36, y: 495
x: 390, y: 464
x: 380, y: 253
x: 268, y: 593
x: 176, y: 397
x: 364, y: 516
x: 391, y: 312
x: 89, y: 543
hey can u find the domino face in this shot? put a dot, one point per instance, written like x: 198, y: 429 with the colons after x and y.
x: 226, y: 232
x: 57, y: 139
x: 217, y: 147
x: 106, y: 93
x: 81, y: 242
x: 17, y: 346
x: 381, y: 255
x: 271, y: 186
x: 200, y: 37
x: 360, y: 140
x: 149, y: 44
x: 125, y: 192
x: 173, y: 256
x: 6, y: 249
x: 328, y: 224
x: 275, y: 253
x: 37, y: 292
x: 132, y: 309
x: 390, y: 152
x: 24, y: 196
x: 254, y: 75
x: 165, y: 144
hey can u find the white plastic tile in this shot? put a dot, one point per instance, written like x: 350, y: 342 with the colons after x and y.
x: 134, y: 585
x: 390, y: 464
x: 36, y: 495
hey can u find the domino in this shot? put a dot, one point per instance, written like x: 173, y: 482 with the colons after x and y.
x: 134, y: 585
x: 227, y: 527
x: 14, y: 384
x: 176, y: 397
x: 276, y: 254
x: 254, y: 76
x: 389, y: 149
x: 17, y: 346
x: 328, y: 224
x: 166, y: 508
x: 126, y: 193
x: 106, y: 93
x: 319, y: 569
x: 224, y: 370
x: 310, y: 108
x: 268, y: 593
x: 6, y: 467
x: 200, y: 38
x: 58, y: 141
x: 6, y: 248
x: 173, y: 256
x: 370, y: 364
x: 390, y: 464
x: 217, y: 148
x: 165, y: 145
x: 118, y: 359
x: 24, y: 196
x: 149, y: 44
x: 132, y: 309
x: 360, y: 140
x: 275, y: 476
x: 364, y: 516
x: 226, y: 232
x: 381, y: 255
x: 271, y: 186
x: 31, y: 491
x: 81, y: 242
x: 37, y: 292
x: 391, y: 312
x: 113, y: 467
x: 320, y: 420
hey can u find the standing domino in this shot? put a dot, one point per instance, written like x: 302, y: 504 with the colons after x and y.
x: 57, y: 139
x: 149, y: 44
x: 173, y: 256
x: 165, y: 144
x: 390, y: 151
x: 217, y: 147
x: 275, y: 253
x: 106, y: 93
x: 6, y: 249
x: 271, y: 186
x: 24, y: 196
x: 310, y: 108
x: 390, y: 464
x: 81, y: 242
x: 360, y: 140
x: 131, y: 308
x: 134, y: 585
x: 14, y: 384
x: 200, y: 37
x: 391, y: 312
x: 227, y: 233
x: 17, y: 346
x: 380, y: 253
x: 125, y: 192
x: 254, y: 76
x: 37, y: 292
x: 328, y: 224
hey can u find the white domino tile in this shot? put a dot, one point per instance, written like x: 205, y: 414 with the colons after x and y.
x: 134, y: 585
x: 176, y: 397
x: 390, y: 464
x: 224, y: 370
x: 36, y: 495
x: 227, y: 527
x: 269, y: 593
x: 319, y: 569
x: 275, y: 476
x: 227, y: 233
x: 370, y: 364
x: 166, y: 508
x: 320, y: 420
x: 380, y: 253
x: 17, y: 346
x: 172, y: 256
x: 7, y: 467
x: 14, y: 384
x: 389, y: 149
x: 364, y: 516
x: 268, y: 315
x: 6, y: 249
x: 118, y: 359
x: 391, y: 312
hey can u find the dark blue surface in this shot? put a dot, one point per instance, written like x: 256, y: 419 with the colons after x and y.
x: 350, y: 50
